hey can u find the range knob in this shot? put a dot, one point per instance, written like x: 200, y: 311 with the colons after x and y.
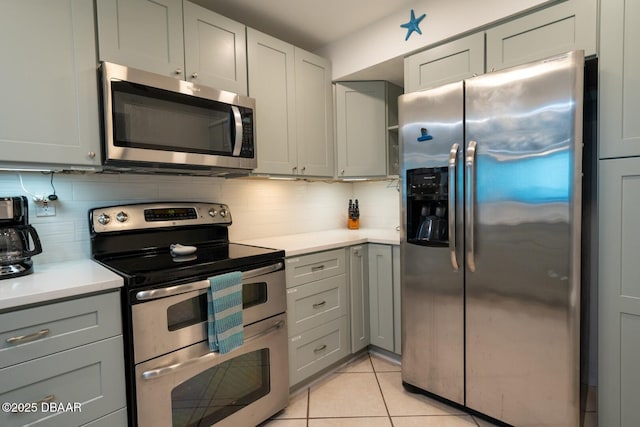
x: 104, y: 219
x: 122, y: 216
x: 213, y: 213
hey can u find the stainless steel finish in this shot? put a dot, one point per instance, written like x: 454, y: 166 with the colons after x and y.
x: 135, y: 159
x: 453, y: 156
x: 237, y: 118
x: 202, y: 284
x: 151, y: 335
x: 470, y: 204
x: 29, y: 337
x: 154, y: 396
x: 523, y: 299
x: 433, y: 291
x: 101, y: 217
x: 510, y: 319
x: 158, y: 372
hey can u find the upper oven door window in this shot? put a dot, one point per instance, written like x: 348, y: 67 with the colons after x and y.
x: 150, y: 118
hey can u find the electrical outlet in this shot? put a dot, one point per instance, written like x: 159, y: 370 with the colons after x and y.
x: 45, y: 209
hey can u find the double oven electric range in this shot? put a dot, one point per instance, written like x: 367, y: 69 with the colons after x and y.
x: 166, y: 252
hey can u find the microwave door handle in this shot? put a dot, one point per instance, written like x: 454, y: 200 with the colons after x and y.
x: 237, y: 119
x: 202, y: 284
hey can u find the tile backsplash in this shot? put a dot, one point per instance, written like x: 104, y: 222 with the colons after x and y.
x: 260, y: 207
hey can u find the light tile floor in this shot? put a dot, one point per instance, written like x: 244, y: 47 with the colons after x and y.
x: 368, y: 392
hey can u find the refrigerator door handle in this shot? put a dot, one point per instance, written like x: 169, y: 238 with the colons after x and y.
x: 470, y: 164
x: 453, y: 158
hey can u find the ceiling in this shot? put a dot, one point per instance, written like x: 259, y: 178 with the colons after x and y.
x: 312, y: 24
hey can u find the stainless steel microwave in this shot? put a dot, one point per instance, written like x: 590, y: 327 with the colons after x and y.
x: 155, y: 123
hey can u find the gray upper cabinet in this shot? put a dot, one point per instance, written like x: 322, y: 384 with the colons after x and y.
x: 367, y: 129
x: 272, y: 84
x: 197, y: 45
x: 214, y: 49
x: 144, y: 34
x: 619, y: 93
x: 450, y: 62
x: 49, y: 113
x: 361, y: 129
x: 294, y: 108
x: 314, y: 119
x: 566, y: 26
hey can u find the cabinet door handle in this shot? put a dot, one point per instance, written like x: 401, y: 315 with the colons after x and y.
x: 178, y: 71
x: 319, y: 304
x: 317, y: 267
x: 319, y: 348
x: 194, y: 75
x: 30, y: 337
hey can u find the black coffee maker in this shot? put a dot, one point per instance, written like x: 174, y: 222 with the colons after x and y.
x: 16, y: 235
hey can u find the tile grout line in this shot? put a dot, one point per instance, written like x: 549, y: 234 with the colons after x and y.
x: 375, y: 373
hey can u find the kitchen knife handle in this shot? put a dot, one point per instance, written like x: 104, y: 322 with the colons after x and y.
x: 470, y: 163
x: 453, y: 172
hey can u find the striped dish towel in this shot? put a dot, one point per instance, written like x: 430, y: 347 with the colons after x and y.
x: 224, y: 309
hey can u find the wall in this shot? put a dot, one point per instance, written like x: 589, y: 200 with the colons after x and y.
x: 259, y: 207
x: 355, y: 53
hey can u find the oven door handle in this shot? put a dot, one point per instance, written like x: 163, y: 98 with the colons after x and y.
x: 203, y: 284
x: 155, y: 373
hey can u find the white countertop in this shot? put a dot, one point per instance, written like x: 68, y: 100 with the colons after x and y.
x: 299, y: 244
x: 53, y: 281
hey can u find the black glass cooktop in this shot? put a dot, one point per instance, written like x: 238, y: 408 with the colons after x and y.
x: 159, y: 266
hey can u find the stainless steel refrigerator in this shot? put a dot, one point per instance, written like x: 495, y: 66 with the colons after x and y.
x: 490, y: 246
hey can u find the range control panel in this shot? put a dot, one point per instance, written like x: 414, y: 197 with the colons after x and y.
x: 157, y: 215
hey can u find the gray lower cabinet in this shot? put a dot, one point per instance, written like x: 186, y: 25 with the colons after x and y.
x: 619, y: 90
x: 49, y: 107
x: 359, y: 293
x: 66, y: 360
x: 619, y: 293
x: 317, y: 313
x: 397, y: 306
x: 381, y: 302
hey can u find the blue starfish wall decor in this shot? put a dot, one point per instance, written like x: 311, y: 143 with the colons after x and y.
x: 413, y: 24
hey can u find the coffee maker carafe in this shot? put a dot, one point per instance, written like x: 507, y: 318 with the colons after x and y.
x: 16, y: 235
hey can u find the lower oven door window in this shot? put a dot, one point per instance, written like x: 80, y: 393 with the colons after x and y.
x: 195, y: 387
x: 221, y: 390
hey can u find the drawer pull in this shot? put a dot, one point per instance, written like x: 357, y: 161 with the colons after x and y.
x: 317, y: 267
x: 320, y: 348
x: 319, y: 304
x: 26, y: 338
x: 47, y: 399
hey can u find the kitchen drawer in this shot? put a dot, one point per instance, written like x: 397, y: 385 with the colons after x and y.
x: 56, y: 327
x: 316, y: 266
x: 91, y: 376
x: 114, y: 419
x: 318, y: 348
x: 315, y: 303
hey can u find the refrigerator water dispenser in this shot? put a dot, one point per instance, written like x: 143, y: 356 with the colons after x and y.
x: 427, y: 206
